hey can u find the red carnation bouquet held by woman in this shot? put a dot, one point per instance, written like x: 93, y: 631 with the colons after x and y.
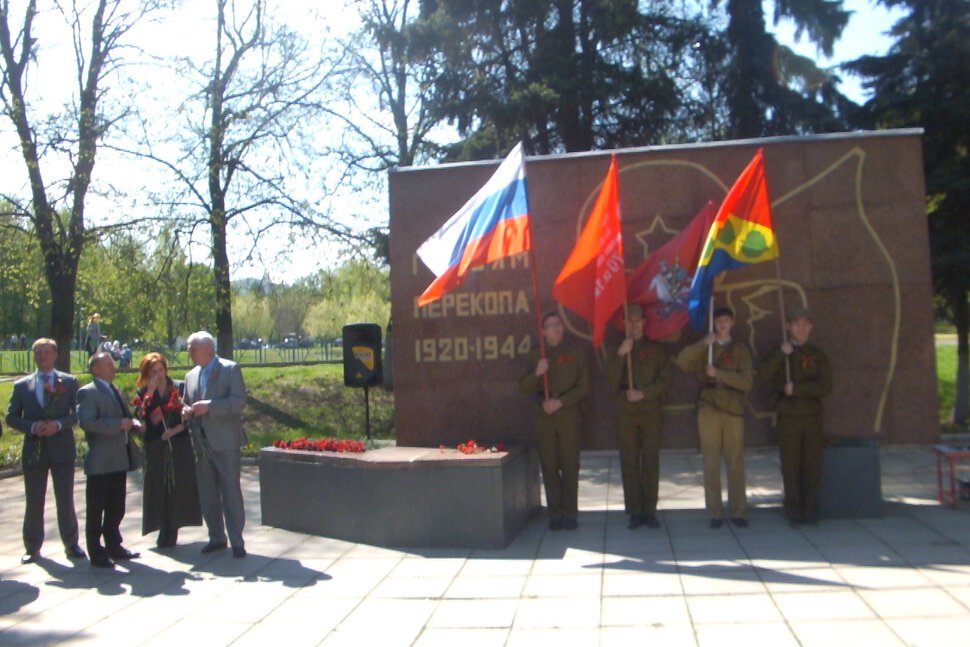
x: 162, y: 414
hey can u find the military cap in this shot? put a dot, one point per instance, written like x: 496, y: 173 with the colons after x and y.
x: 798, y: 312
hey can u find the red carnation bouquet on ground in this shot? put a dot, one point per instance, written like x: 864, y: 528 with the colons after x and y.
x: 339, y: 445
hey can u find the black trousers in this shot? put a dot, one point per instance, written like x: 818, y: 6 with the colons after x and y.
x: 105, y: 496
x: 35, y: 489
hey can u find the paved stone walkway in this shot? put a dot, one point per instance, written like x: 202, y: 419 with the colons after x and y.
x: 900, y: 580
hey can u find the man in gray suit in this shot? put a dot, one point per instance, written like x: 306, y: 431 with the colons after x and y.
x: 42, y: 408
x: 107, y: 424
x: 215, y: 395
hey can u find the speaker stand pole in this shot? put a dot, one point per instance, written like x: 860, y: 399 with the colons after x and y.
x: 367, y: 411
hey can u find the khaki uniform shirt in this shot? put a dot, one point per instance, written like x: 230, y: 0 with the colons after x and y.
x: 811, y: 376
x: 568, y: 375
x: 735, y: 374
x: 651, y: 375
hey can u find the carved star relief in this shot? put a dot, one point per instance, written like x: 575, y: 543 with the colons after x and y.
x: 657, y: 224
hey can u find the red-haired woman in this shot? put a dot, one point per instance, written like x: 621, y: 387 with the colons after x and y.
x: 171, y: 498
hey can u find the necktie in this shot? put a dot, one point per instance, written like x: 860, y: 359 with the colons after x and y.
x: 204, y: 380
x: 120, y: 400
x: 43, y: 379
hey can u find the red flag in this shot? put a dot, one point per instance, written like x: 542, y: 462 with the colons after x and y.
x: 661, y: 284
x: 592, y: 282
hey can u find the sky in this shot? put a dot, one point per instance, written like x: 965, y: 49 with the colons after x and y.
x: 185, y: 33
x: 864, y: 35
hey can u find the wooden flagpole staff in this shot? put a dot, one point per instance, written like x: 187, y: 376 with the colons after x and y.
x: 784, y: 328
x: 535, y: 292
x: 710, y: 329
x: 629, y: 356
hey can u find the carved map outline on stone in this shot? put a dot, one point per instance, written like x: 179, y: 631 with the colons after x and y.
x: 727, y: 289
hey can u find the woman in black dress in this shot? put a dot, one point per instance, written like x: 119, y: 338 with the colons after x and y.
x: 171, y: 498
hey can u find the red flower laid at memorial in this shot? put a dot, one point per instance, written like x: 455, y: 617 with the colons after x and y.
x: 471, y: 447
x: 339, y: 445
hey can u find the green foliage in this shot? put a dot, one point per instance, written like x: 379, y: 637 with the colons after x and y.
x: 922, y: 81
x: 770, y: 90
x: 316, y: 306
x: 289, y: 402
x: 946, y: 370
x: 565, y: 76
x: 113, y: 281
x: 24, y: 297
x: 143, y: 286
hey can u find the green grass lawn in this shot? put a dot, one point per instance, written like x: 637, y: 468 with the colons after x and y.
x: 287, y: 402
x: 284, y: 402
x: 946, y: 372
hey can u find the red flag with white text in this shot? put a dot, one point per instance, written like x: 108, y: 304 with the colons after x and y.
x: 592, y: 283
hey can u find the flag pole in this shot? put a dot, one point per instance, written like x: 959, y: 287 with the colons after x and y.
x: 710, y: 328
x: 784, y: 328
x: 538, y: 308
x: 534, y: 270
x: 629, y: 356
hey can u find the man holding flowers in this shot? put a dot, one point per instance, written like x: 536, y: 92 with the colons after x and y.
x: 42, y: 407
x: 215, y: 395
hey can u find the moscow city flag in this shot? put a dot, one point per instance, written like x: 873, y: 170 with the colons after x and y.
x: 493, y: 224
x: 592, y: 283
x: 661, y: 284
x: 742, y: 234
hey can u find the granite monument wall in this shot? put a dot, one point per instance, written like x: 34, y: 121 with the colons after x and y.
x: 849, y: 213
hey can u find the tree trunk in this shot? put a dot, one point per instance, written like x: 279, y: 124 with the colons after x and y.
x: 220, y: 262
x: 961, y: 319
x: 62, y: 281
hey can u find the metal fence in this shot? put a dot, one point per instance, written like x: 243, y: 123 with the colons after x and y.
x: 19, y: 362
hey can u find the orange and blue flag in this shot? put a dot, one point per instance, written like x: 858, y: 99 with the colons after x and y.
x: 742, y: 234
x: 493, y: 224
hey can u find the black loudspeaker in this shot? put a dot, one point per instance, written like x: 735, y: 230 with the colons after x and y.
x: 362, y: 355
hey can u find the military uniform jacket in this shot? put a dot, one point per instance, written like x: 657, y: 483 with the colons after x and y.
x: 651, y: 375
x: 24, y: 410
x: 568, y: 375
x: 811, y: 376
x: 735, y: 374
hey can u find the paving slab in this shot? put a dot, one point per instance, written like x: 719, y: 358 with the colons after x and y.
x: 903, y: 579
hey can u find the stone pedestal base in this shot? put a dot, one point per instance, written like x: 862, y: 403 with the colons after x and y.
x: 401, y: 496
x: 851, y: 480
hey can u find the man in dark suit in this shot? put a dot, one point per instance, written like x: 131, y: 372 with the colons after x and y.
x: 215, y: 395
x: 107, y: 423
x: 42, y: 407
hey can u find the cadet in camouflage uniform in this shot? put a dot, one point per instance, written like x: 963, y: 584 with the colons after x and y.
x: 799, y: 414
x: 558, y: 418
x: 720, y: 414
x: 639, y: 409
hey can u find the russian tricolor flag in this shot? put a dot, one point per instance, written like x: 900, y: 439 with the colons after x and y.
x: 493, y: 224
